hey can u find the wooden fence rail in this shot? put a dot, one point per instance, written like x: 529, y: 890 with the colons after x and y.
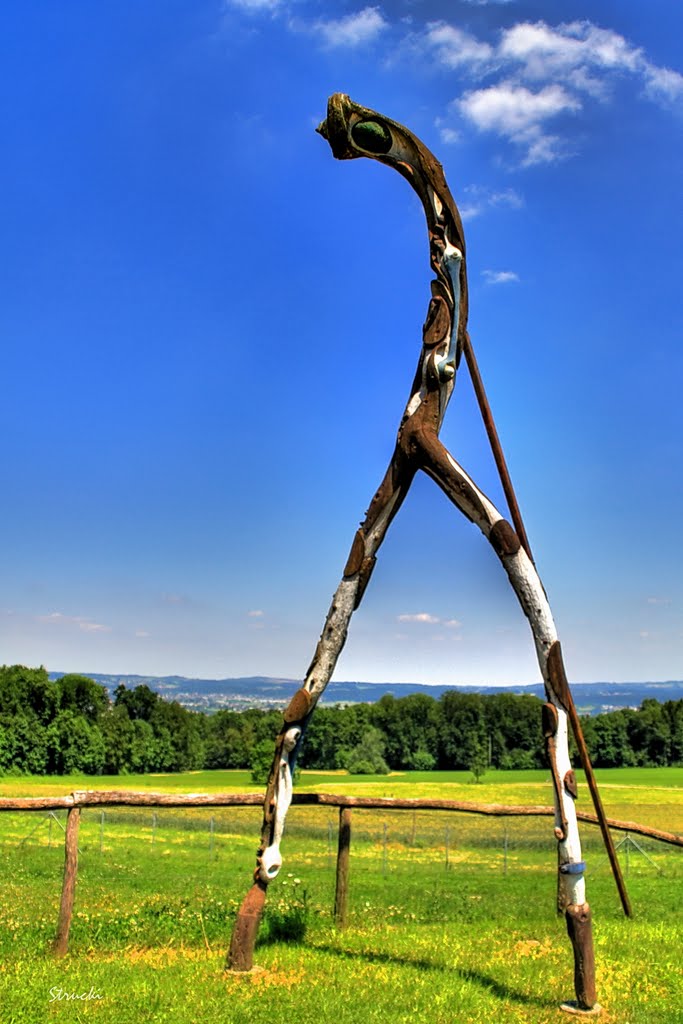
x: 73, y: 803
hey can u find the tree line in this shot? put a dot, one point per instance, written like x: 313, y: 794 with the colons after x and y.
x: 54, y: 727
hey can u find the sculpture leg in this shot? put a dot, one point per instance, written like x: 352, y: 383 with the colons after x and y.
x: 241, y: 952
x: 346, y: 599
x: 580, y: 931
x: 440, y: 465
x: 571, y: 867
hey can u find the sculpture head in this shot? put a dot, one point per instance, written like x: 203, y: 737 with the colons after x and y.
x: 353, y: 131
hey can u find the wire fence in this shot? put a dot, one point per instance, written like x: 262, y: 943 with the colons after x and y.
x: 382, y: 838
x: 404, y: 860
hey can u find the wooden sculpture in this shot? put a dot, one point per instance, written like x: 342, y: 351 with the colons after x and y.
x: 354, y: 131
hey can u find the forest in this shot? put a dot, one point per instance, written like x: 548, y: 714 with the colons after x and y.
x: 54, y: 727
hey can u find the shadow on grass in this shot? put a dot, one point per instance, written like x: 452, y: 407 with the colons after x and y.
x: 270, y: 939
x: 485, y: 981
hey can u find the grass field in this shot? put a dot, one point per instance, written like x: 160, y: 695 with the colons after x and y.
x: 452, y: 917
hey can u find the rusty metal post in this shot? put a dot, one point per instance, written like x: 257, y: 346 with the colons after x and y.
x: 343, y: 856
x: 241, y: 953
x: 61, y: 941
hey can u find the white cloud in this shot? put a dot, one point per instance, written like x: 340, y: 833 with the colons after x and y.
x: 659, y: 600
x: 431, y: 620
x: 419, y: 617
x: 86, y: 625
x: 449, y: 135
x: 513, y: 110
x: 454, y: 47
x: 662, y: 83
x: 54, y: 617
x: 254, y: 5
x: 479, y: 200
x: 543, y: 51
x: 353, y: 29
x: 517, y: 113
x: 541, y: 73
x: 543, y: 149
x: 256, y: 613
x: 500, y: 276
x: 142, y: 633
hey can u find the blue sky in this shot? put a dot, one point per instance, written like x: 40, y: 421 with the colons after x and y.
x: 210, y: 328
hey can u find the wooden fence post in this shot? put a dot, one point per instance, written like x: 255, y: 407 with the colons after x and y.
x: 61, y: 942
x: 505, y: 850
x: 343, y: 849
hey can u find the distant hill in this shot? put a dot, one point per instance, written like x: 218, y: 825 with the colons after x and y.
x: 271, y: 692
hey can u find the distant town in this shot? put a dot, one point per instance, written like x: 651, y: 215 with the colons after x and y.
x: 268, y: 693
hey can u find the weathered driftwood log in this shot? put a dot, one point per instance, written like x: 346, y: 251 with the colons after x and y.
x: 354, y: 131
x: 116, y: 798
x: 125, y: 798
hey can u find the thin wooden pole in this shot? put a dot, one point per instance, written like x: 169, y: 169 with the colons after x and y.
x: 560, y: 686
x: 343, y: 851
x: 496, y: 446
x: 66, y: 907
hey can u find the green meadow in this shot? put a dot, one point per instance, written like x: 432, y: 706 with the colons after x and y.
x: 452, y: 916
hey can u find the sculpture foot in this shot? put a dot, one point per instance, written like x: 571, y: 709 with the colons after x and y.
x: 241, y: 954
x: 580, y: 931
